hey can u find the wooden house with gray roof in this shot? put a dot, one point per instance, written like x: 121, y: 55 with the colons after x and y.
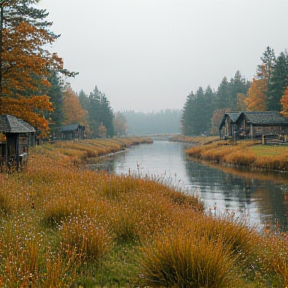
x: 251, y: 125
x: 72, y: 132
x: 16, y: 138
x: 257, y: 124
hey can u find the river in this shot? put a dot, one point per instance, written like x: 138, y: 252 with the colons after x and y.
x: 259, y: 197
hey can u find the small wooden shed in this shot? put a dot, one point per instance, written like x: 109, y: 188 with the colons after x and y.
x: 72, y: 131
x: 18, y: 136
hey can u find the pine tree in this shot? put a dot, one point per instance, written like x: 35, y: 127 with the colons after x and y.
x: 94, y: 111
x: 237, y: 85
x: 278, y: 82
x: 187, y: 121
x: 264, y: 70
x: 223, y: 95
x: 107, y: 116
x: 84, y: 100
x: 56, y: 98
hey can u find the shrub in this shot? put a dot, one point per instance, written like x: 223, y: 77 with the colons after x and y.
x: 183, y: 260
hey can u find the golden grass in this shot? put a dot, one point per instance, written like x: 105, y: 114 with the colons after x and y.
x: 199, y: 140
x: 243, y: 153
x: 65, y: 227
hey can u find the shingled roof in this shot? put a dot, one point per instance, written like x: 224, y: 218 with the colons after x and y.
x: 266, y: 117
x: 233, y: 117
x: 12, y: 124
x: 71, y: 127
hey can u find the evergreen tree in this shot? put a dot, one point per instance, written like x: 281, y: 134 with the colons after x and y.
x: 187, y: 121
x: 99, y: 112
x: 94, y: 111
x: 264, y: 70
x: 56, y: 98
x: 106, y: 116
x: 84, y: 100
x: 223, y: 94
x: 237, y: 85
x: 209, y: 107
x: 199, y: 112
x: 278, y: 82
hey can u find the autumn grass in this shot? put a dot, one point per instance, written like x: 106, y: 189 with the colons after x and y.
x: 243, y: 153
x: 65, y: 227
x: 198, y: 140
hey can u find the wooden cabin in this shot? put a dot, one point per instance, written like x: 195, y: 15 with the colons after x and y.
x: 16, y: 138
x: 72, y: 132
x: 253, y: 125
x: 228, y: 127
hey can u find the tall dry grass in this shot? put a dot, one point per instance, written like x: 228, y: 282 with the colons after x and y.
x: 65, y: 227
x: 243, y: 153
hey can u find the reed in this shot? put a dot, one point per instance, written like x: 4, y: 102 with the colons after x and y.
x: 274, y: 255
x: 185, y: 261
x: 243, y: 153
x: 91, y: 238
x: 62, y: 226
x: 28, y: 258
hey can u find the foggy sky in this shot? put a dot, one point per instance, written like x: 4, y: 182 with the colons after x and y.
x: 148, y: 55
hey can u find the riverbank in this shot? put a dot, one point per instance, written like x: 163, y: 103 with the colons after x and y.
x: 250, y: 153
x: 79, y: 152
x: 65, y: 227
x: 199, y: 140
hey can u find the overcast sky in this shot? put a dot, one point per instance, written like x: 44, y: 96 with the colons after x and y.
x: 148, y: 55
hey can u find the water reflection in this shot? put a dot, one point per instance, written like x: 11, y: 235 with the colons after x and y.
x: 261, y: 197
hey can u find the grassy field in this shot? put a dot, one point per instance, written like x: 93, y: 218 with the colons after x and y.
x: 243, y: 153
x: 65, y: 227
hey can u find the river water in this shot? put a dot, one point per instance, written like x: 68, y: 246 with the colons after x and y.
x: 259, y: 197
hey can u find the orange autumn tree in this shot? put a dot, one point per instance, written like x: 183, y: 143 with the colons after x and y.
x: 256, y: 100
x: 284, y: 103
x: 72, y: 109
x: 25, y: 64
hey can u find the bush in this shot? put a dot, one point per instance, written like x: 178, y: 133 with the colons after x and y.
x: 186, y: 261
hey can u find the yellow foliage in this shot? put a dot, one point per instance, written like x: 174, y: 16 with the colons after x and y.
x: 284, y: 103
x: 257, y: 95
x: 73, y: 112
x: 29, y: 109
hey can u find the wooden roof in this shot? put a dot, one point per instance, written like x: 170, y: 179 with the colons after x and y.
x: 12, y: 124
x: 266, y: 117
x: 71, y: 127
x: 233, y: 117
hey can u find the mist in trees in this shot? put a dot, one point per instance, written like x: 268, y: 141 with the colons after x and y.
x: 162, y: 122
x: 100, y: 113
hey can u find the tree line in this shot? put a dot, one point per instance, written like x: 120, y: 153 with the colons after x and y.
x: 268, y: 91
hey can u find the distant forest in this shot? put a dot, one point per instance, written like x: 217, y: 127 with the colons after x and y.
x: 161, y: 122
